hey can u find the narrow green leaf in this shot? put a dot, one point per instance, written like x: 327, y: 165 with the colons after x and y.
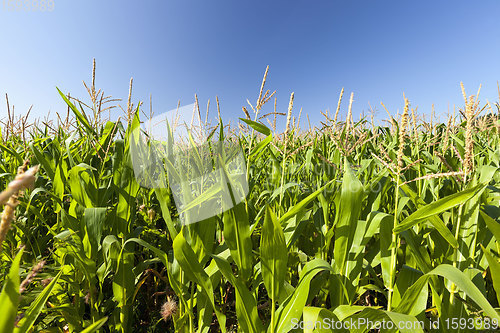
x: 246, y: 305
x: 95, y: 326
x: 9, y: 297
x: 94, y: 219
x: 492, y: 225
x: 259, y: 148
x: 294, y: 305
x: 36, y: 307
x: 273, y: 254
x: 296, y: 208
x: 349, y: 209
x: 237, y: 236
x: 436, y: 222
x: 494, y: 270
x: 412, y: 295
x: 257, y: 126
x: 323, y: 319
x: 78, y: 114
x: 370, y: 316
x: 438, y: 207
x: 43, y: 160
x: 466, y: 285
x: 189, y: 263
x: 386, y: 224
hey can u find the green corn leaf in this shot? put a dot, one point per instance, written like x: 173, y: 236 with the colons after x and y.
x: 163, y: 197
x: 438, y: 207
x: 420, y: 254
x: 36, y: 307
x: 258, y: 150
x: 466, y: 285
x: 494, y: 266
x: 246, y: 305
x: 43, y: 160
x: 406, y: 279
x: 237, y: 236
x: 94, y: 219
x: 9, y: 297
x: 433, y: 219
x: 492, y: 225
x: 301, y: 205
x: 164, y: 259
x: 203, y: 197
x: 81, y: 118
x: 124, y: 285
x: 82, y: 184
x: 189, y: 263
x: 95, y: 326
x: 125, y: 183
x: 345, y: 311
x: 323, y: 319
x: 294, y: 304
x: 60, y: 180
x: 404, y: 323
x: 273, y: 255
x: 412, y: 295
x: 257, y: 126
x: 12, y: 152
x: 350, y: 207
x: 386, y: 224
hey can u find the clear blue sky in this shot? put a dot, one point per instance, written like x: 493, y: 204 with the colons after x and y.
x: 174, y: 49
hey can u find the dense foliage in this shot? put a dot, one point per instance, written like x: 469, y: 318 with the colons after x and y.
x: 396, y: 224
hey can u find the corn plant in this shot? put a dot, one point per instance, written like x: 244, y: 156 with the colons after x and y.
x: 346, y: 222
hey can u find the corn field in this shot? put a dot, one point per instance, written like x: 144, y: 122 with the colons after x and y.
x: 348, y: 222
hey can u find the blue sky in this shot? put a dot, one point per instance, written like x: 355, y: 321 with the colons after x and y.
x: 174, y: 49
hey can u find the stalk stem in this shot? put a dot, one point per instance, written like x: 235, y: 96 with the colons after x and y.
x: 455, y: 251
x: 394, y: 247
